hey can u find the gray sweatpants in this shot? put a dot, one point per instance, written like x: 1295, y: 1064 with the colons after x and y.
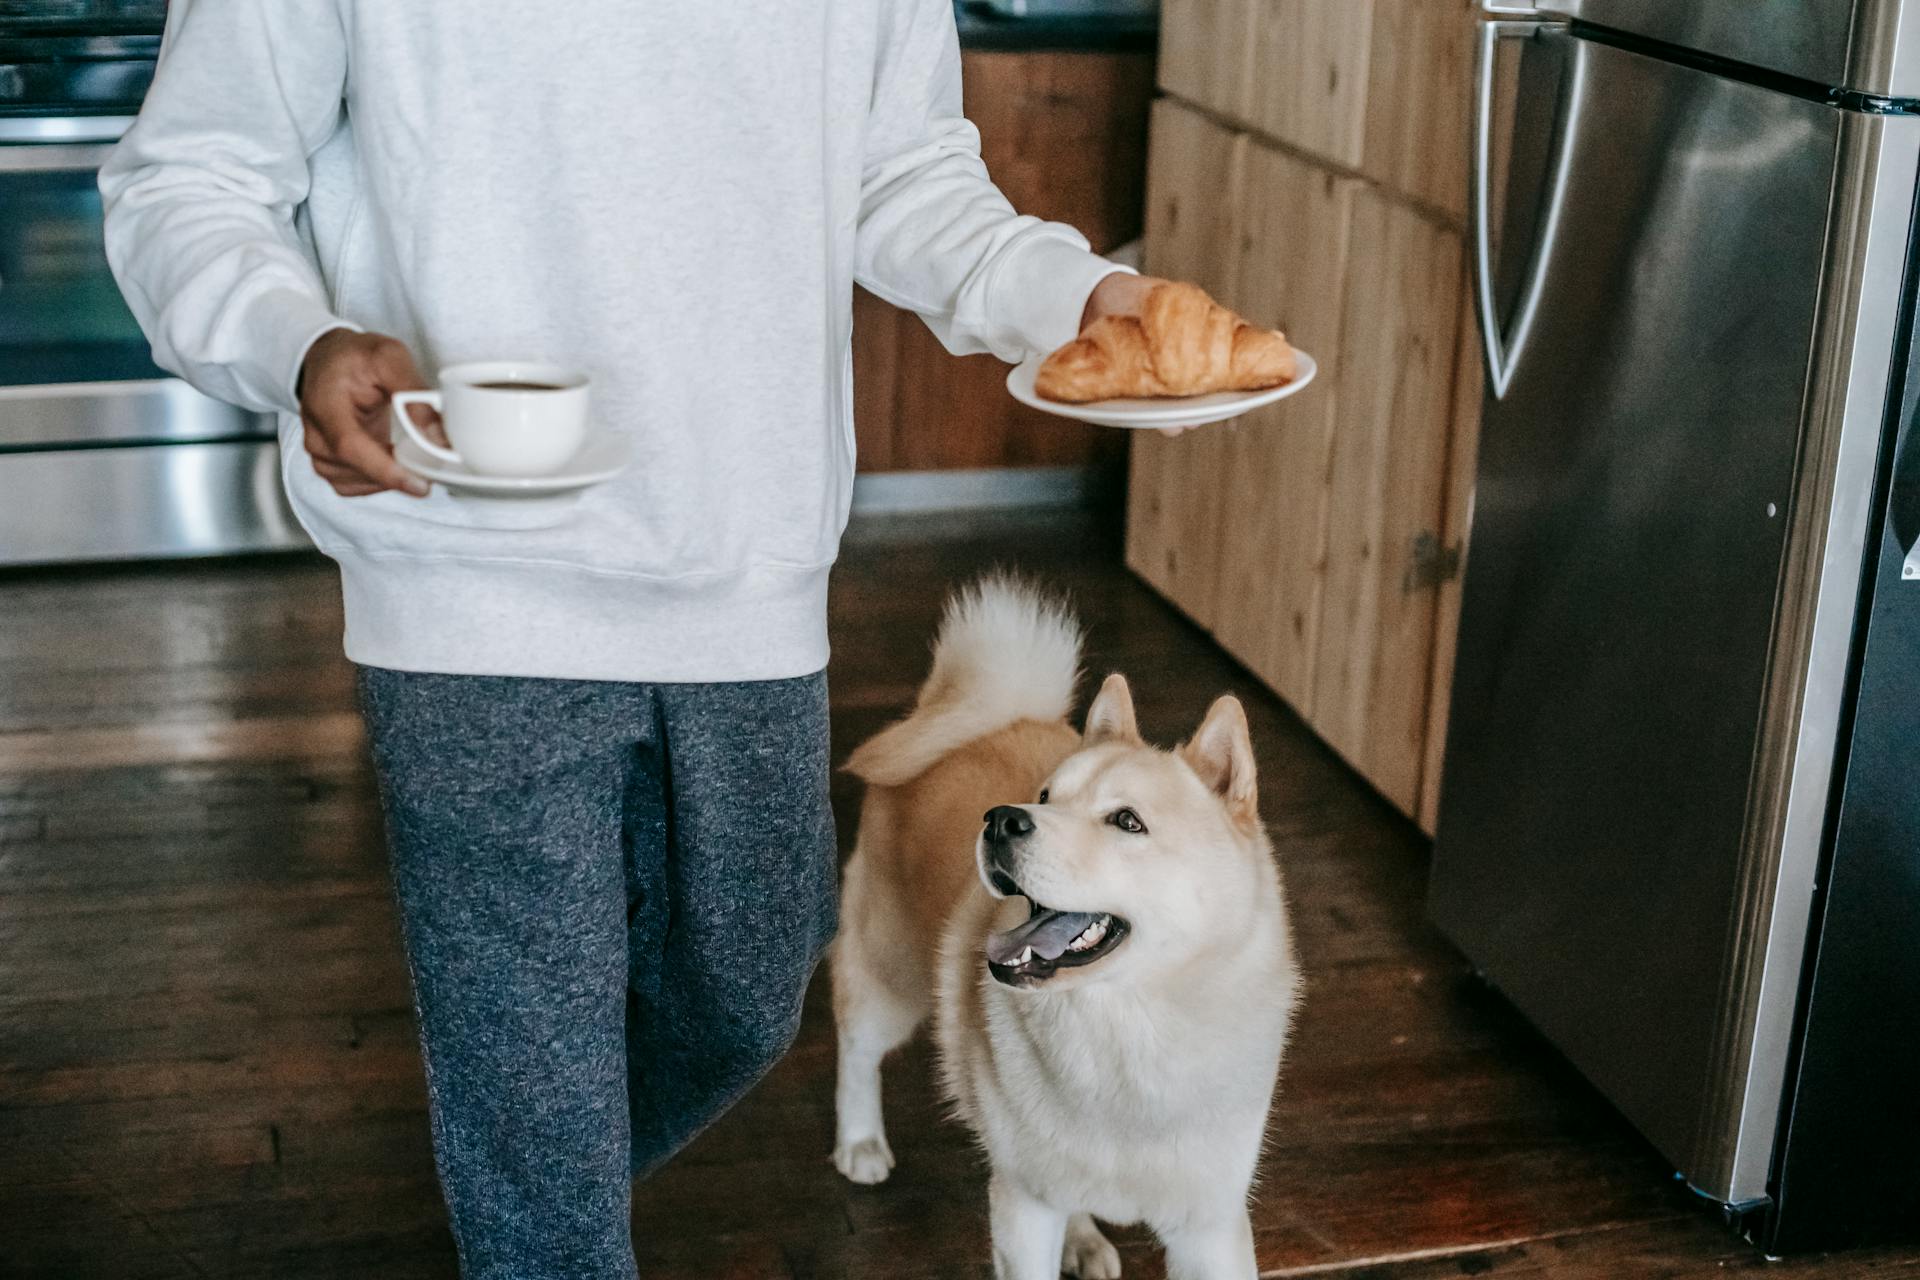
x: 613, y: 896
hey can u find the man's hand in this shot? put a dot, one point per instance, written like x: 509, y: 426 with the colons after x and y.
x: 1120, y: 294
x: 345, y: 385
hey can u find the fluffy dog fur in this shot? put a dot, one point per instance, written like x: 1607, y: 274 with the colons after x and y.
x: 1126, y: 1075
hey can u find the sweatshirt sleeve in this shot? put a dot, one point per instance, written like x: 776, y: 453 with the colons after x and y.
x: 935, y: 235
x: 201, y: 194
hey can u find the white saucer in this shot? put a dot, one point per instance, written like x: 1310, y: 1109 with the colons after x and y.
x: 600, y: 459
x: 1192, y: 411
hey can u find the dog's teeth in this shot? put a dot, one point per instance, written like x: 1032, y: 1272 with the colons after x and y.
x: 1026, y: 955
x: 1090, y: 936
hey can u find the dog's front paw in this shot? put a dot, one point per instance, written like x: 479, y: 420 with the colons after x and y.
x: 867, y: 1161
x: 1089, y: 1255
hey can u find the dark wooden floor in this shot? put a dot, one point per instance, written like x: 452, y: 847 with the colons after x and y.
x: 207, y: 1067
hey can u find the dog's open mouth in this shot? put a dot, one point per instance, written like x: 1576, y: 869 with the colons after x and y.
x: 1029, y: 954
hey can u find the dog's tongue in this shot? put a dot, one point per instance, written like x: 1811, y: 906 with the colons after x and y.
x: 1048, y: 933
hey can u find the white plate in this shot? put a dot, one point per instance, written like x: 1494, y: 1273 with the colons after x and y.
x: 600, y: 459
x: 1192, y: 411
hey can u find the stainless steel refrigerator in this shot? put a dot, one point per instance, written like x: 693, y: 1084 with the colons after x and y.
x: 1680, y: 817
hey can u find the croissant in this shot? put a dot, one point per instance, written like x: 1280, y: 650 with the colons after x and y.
x: 1182, y: 343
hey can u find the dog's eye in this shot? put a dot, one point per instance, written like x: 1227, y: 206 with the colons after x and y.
x: 1129, y: 821
x: 1043, y: 795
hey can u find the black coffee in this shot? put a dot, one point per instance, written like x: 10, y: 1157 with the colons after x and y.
x: 519, y: 386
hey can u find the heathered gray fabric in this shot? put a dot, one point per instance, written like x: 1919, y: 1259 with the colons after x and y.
x: 613, y: 897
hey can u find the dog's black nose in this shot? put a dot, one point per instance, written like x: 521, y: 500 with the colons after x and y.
x: 1007, y: 822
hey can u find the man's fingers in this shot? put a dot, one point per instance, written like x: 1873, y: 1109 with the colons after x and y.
x: 335, y: 474
x: 347, y: 482
x: 372, y: 459
x: 395, y: 370
x: 346, y: 446
x: 346, y: 394
x: 429, y: 424
x: 317, y: 446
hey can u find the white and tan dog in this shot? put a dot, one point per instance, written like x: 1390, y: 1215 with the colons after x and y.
x: 1109, y: 964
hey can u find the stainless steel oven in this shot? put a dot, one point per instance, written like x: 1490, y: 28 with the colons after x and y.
x: 102, y: 455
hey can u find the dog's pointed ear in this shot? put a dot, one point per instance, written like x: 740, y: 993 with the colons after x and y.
x: 1221, y: 752
x: 1110, y: 718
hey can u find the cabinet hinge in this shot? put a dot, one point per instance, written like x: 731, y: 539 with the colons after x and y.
x: 1429, y: 564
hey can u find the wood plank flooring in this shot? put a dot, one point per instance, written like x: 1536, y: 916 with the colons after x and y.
x: 207, y: 1066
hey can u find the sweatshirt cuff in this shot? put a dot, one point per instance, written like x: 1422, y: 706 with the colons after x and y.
x: 1043, y: 290
x: 289, y: 323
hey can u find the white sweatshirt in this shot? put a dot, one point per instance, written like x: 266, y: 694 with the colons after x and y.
x: 676, y: 198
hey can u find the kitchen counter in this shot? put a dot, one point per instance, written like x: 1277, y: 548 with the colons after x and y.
x: 981, y: 28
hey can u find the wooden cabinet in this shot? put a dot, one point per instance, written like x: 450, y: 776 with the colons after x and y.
x: 1325, y: 197
x: 1206, y: 52
x: 1378, y: 87
x: 1064, y: 135
x: 1230, y: 522
x: 1173, y: 507
x: 1394, y: 383
x: 1418, y: 104
x: 1308, y: 85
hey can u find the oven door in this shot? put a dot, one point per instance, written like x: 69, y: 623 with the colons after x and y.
x: 102, y: 455
x: 74, y: 366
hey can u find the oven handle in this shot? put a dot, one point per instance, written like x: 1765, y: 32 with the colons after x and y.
x: 58, y: 144
x: 60, y: 159
x: 53, y: 130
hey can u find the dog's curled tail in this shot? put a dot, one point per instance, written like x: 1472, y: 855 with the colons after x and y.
x: 1006, y: 651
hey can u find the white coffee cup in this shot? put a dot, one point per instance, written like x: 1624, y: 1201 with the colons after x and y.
x: 503, y: 417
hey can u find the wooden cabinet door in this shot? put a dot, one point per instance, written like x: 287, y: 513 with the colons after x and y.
x: 1398, y: 351
x: 1308, y: 83
x: 1206, y: 52
x: 1174, y: 505
x: 1382, y: 87
x: 1305, y: 537
x: 1273, y: 481
x: 1418, y: 100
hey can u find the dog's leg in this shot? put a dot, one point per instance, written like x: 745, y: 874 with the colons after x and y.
x: 1216, y: 1248
x: 872, y: 1020
x: 1028, y: 1236
x: 1089, y: 1255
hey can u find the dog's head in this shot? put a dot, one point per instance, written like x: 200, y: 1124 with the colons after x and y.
x: 1135, y: 862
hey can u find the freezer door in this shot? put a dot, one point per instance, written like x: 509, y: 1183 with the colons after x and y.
x: 1635, y: 481
x: 1864, y: 45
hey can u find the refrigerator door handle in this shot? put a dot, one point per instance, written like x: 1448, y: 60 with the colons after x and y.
x: 1504, y: 347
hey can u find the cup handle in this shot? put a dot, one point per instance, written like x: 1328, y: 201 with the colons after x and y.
x: 404, y: 421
